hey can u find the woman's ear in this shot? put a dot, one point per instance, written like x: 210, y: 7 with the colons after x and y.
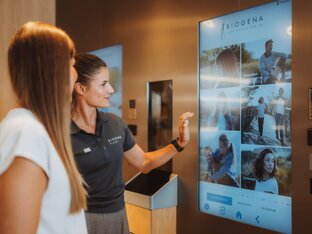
x: 80, y: 88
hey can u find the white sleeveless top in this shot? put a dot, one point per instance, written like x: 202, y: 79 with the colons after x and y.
x: 21, y: 134
x: 269, y: 186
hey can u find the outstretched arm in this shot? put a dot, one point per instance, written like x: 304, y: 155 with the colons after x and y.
x: 146, y: 162
x: 280, y: 54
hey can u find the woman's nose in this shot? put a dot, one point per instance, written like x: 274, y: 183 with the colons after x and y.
x: 111, y: 90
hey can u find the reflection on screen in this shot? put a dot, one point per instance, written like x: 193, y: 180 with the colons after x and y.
x: 245, y: 81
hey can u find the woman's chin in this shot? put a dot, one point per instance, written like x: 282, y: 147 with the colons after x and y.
x: 106, y: 105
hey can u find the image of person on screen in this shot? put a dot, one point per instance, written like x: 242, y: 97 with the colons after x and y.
x: 222, y: 118
x: 208, y: 153
x: 265, y: 171
x: 223, y: 164
x: 280, y: 104
x: 227, y: 69
x: 272, y: 64
x: 261, y: 109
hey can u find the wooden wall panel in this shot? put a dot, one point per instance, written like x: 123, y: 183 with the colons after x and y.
x: 13, y: 13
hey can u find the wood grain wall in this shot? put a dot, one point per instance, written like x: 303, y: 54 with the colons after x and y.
x: 13, y: 13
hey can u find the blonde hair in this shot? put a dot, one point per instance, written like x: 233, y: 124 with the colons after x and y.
x: 39, y: 65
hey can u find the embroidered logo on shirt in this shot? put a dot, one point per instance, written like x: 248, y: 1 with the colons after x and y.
x: 114, y: 140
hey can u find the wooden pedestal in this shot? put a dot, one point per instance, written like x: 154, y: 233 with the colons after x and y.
x: 145, y: 221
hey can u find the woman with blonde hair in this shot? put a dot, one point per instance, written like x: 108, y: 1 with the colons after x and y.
x: 223, y: 163
x: 41, y: 189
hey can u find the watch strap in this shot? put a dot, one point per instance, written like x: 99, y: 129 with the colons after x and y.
x: 176, y: 145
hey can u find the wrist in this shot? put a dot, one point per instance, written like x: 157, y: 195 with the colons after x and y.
x: 181, y: 144
x: 177, y: 144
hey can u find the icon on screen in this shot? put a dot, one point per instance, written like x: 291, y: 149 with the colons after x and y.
x: 207, y: 206
x: 222, y: 210
x: 257, y: 219
x: 238, y: 215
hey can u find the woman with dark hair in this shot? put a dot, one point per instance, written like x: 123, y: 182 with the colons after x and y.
x: 223, y: 163
x: 41, y: 189
x: 227, y: 69
x: 265, y: 171
x: 101, y: 141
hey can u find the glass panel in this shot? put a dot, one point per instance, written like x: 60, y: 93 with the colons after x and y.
x: 160, y: 116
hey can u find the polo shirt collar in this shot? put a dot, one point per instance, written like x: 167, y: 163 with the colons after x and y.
x: 100, y: 120
x: 74, y: 128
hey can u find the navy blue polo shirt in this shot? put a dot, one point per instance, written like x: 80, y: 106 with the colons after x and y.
x: 99, y: 160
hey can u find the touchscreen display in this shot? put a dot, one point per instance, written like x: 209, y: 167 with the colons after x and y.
x: 245, y: 81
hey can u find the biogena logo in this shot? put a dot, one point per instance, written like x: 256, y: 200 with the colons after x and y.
x: 238, y: 24
x: 242, y: 23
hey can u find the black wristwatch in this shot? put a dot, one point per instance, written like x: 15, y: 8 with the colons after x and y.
x: 176, y: 145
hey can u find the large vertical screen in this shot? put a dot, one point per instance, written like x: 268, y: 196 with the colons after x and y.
x: 245, y: 81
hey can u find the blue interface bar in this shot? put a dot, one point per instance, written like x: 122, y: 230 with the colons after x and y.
x: 219, y: 198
